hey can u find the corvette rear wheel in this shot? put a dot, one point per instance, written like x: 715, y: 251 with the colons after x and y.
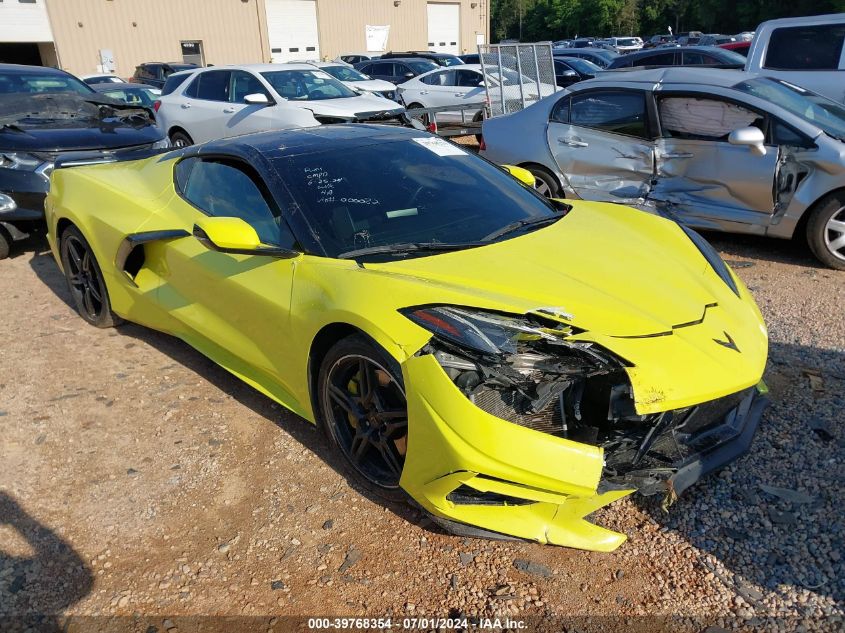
x: 364, y: 413
x: 85, y: 280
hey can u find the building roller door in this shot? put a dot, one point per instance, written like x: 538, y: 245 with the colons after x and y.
x: 444, y: 27
x: 292, y: 30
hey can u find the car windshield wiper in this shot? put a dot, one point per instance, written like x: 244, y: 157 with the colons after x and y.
x: 519, y: 224
x: 410, y: 247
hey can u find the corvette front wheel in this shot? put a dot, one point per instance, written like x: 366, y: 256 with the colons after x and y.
x: 363, y: 411
x: 85, y: 280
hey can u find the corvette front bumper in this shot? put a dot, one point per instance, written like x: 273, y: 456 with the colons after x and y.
x: 478, y: 474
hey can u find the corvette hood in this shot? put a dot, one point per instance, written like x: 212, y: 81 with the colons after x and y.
x: 616, y: 271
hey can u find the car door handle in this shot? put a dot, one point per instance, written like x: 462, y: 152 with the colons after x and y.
x: 459, y: 94
x: 228, y: 110
x: 423, y: 92
x: 678, y: 155
x: 572, y: 142
x: 185, y: 106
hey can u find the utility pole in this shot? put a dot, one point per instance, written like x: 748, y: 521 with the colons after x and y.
x: 520, y: 20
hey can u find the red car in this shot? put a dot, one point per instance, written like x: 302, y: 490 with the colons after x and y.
x: 737, y: 47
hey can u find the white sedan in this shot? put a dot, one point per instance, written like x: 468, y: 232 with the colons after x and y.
x: 465, y: 85
x: 219, y: 102
x: 357, y: 80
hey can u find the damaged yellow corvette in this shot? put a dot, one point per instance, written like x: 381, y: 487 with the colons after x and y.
x: 509, y: 363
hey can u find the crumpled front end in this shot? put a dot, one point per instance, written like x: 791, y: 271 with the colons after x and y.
x: 528, y: 442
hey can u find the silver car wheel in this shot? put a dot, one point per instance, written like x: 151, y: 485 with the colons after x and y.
x: 834, y: 234
x: 180, y: 142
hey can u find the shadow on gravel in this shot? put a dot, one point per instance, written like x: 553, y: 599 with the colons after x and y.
x: 774, y: 518
x: 35, y: 589
x: 794, y: 251
x: 300, y: 429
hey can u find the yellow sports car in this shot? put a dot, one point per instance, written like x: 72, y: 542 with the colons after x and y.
x: 508, y: 362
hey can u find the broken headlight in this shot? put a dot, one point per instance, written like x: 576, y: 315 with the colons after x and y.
x: 480, y: 331
x: 712, y: 257
x: 524, y: 369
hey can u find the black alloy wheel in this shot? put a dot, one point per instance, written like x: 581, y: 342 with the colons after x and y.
x: 364, y: 412
x: 85, y: 280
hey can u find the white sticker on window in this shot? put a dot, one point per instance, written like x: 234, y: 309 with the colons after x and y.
x: 440, y: 147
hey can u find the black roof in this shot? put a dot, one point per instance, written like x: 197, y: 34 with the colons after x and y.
x: 20, y: 69
x: 322, y: 138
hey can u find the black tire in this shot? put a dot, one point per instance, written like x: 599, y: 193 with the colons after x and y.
x: 178, y: 138
x: 822, y: 238
x: 365, y: 417
x: 85, y: 280
x: 478, y: 118
x: 5, y: 242
x: 547, y: 185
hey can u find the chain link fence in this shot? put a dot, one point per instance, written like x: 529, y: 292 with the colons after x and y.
x: 517, y: 75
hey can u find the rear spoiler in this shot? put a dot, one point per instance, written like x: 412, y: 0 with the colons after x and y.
x: 100, y: 157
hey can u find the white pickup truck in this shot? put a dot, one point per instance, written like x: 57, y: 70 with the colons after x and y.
x: 807, y: 52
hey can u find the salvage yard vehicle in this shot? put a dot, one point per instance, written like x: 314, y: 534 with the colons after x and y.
x: 44, y: 112
x: 715, y: 149
x: 219, y: 102
x: 358, y: 81
x: 804, y: 50
x: 462, y: 85
x: 462, y: 340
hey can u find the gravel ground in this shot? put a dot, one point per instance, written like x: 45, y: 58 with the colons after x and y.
x: 137, y: 478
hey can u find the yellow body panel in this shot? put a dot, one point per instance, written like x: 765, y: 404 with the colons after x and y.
x: 633, y: 282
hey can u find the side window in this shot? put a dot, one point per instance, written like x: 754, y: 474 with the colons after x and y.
x: 560, y: 113
x: 228, y: 188
x: 193, y: 87
x: 693, y: 58
x: 663, y: 59
x: 467, y: 78
x: 805, y: 47
x: 400, y: 70
x: 614, y: 112
x: 782, y: 134
x: 214, y: 85
x: 433, y: 79
x: 704, y: 119
x: 380, y: 68
x: 243, y: 84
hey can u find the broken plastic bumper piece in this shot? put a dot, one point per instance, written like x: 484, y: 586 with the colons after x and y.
x: 483, y: 475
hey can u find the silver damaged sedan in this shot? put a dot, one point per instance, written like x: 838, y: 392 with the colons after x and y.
x: 715, y: 149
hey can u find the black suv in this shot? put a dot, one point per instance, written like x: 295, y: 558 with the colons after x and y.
x: 156, y: 73
x: 396, y: 71
x: 441, y: 59
x: 45, y: 112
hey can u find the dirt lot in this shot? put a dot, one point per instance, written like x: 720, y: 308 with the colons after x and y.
x: 136, y: 477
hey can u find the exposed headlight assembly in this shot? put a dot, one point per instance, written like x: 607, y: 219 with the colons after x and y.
x: 712, y: 257
x: 524, y: 369
x: 162, y: 143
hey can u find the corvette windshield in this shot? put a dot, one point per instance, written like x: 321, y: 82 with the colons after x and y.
x: 409, y: 191
x: 307, y: 85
